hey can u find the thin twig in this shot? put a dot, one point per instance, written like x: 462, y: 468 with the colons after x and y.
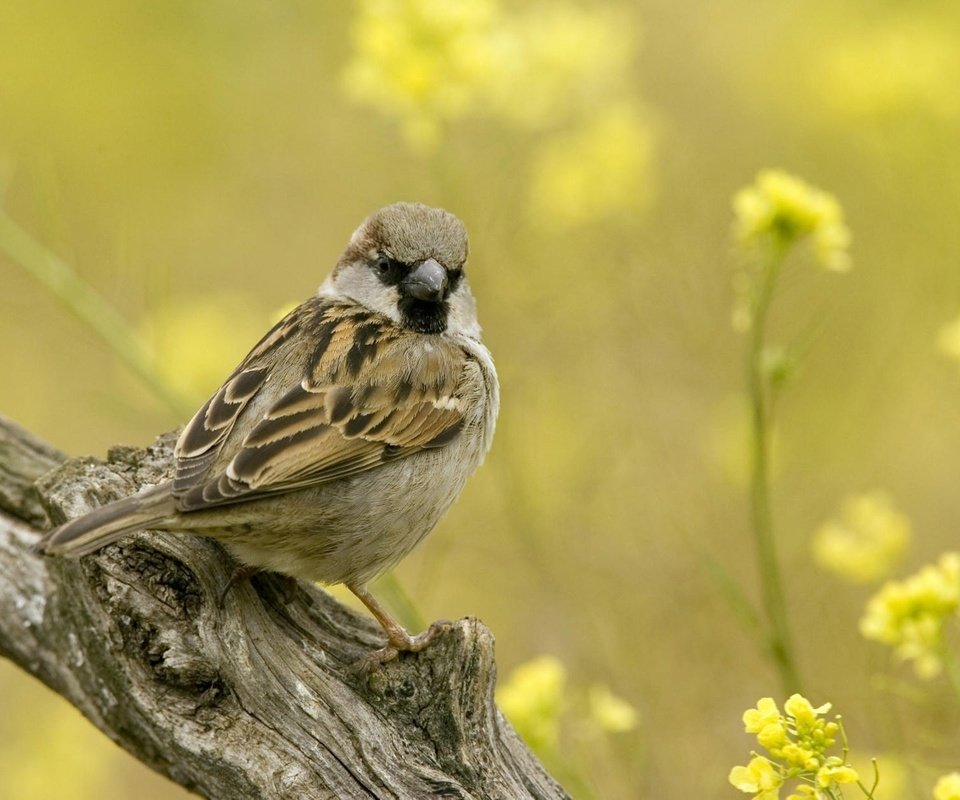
x: 774, y: 601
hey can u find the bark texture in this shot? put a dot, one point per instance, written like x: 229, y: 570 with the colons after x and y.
x: 260, y: 699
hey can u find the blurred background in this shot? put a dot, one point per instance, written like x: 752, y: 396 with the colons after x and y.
x: 202, y: 164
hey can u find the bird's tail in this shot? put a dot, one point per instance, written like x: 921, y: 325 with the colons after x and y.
x: 104, y: 525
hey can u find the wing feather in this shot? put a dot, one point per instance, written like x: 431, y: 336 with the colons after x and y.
x: 367, y: 392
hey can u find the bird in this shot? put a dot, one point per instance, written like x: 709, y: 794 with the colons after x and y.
x: 342, y: 438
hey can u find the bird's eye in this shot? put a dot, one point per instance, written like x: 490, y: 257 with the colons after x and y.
x: 454, y: 277
x: 388, y: 270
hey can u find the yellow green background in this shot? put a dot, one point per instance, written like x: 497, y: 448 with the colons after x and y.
x: 201, y: 163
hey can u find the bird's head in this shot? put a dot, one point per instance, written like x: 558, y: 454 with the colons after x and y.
x: 406, y: 261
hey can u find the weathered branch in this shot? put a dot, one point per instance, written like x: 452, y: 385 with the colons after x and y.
x: 258, y: 700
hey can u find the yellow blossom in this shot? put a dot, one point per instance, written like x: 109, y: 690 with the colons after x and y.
x: 811, y: 735
x: 756, y: 719
x: 910, y: 614
x: 797, y: 757
x: 866, y: 541
x: 904, y: 64
x: 195, y: 342
x: 610, y: 712
x: 760, y: 777
x: 949, y: 340
x: 767, y: 723
x: 834, y: 771
x: 532, y: 699
x: 786, y: 208
x: 797, y: 741
x: 802, y: 710
x: 774, y: 736
x: 557, y: 58
x: 807, y: 792
x: 430, y: 62
x: 948, y: 787
x: 599, y: 170
x: 423, y: 61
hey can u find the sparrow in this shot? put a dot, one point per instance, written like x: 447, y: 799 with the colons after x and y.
x: 346, y: 433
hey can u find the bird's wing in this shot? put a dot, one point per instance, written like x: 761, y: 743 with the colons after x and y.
x: 331, y: 391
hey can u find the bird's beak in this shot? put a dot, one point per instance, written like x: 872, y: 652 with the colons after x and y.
x: 428, y: 281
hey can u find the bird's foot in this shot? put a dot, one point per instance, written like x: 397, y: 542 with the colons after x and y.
x: 399, y: 641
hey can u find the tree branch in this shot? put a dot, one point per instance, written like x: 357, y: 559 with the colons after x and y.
x: 258, y: 700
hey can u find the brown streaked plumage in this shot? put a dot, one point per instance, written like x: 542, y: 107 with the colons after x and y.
x: 344, y: 435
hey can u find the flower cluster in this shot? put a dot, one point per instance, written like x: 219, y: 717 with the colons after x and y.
x: 784, y: 208
x: 533, y: 698
x: 910, y: 614
x: 536, y: 695
x: 866, y: 541
x: 902, y: 65
x: 797, y: 741
x: 948, y: 787
x: 558, y: 71
x: 592, y: 172
x: 429, y: 62
x: 420, y: 60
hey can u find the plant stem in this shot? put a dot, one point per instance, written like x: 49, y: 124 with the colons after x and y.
x: 60, y: 279
x: 774, y: 602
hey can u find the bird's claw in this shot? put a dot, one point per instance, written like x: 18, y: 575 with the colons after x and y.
x: 400, y: 641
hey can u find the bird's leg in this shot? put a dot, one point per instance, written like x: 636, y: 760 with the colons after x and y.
x: 242, y: 573
x: 398, y: 640
x: 288, y: 587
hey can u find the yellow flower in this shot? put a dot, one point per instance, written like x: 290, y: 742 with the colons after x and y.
x: 802, y: 710
x: 195, y: 342
x: 798, y: 758
x: 949, y: 340
x: 600, y: 170
x: 610, y: 712
x: 767, y: 723
x: 814, y: 736
x: 905, y: 64
x: 774, y: 737
x: 756, y: 719
x: 867, y: 540
x: 532, y: 699
x: 423, y: 61
x: 807, y: 792
x: 556, y: 59
x: 834, y: 771
x: 798, y: 741
x: 910, y: 614
x: 786, y: 208
x: 760, y: 777
x: 948, y: 787
x: 431, y: 62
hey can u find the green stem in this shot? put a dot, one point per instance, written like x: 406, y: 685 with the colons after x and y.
x: 774, y: 601
x: 60, y: 279
x: 868, y: 793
